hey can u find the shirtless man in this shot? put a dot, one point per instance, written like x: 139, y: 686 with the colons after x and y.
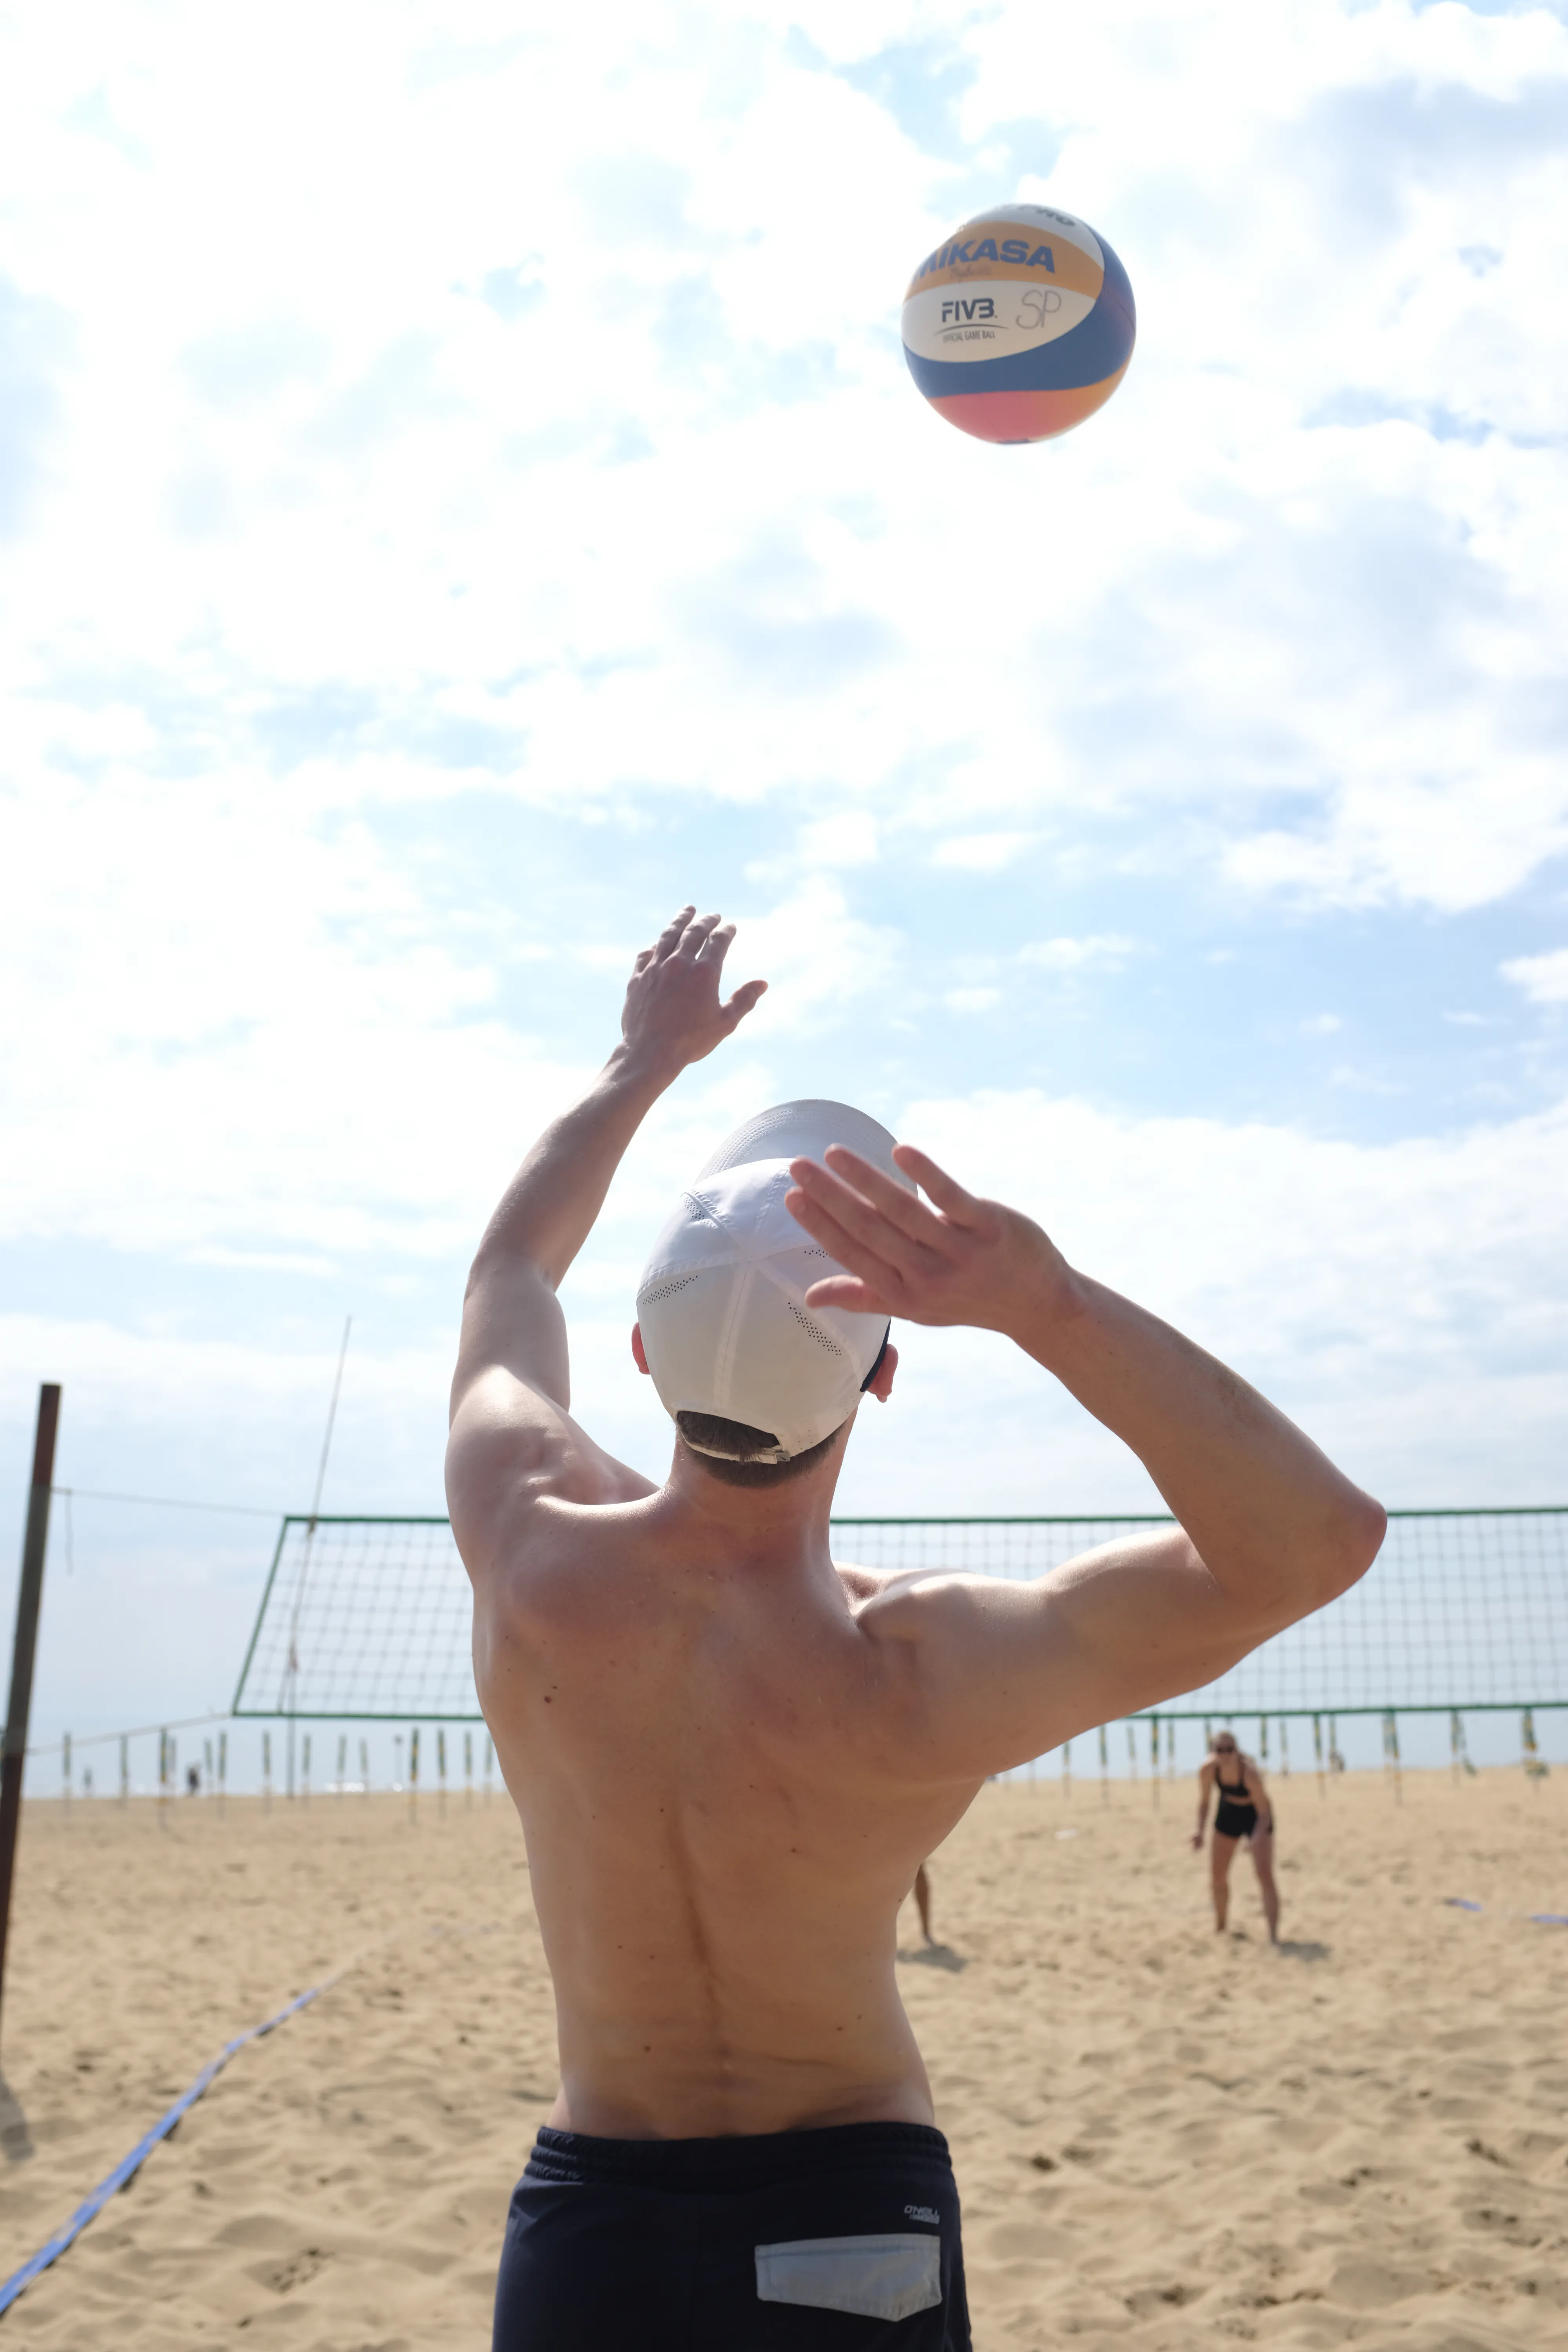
x: 729, y: 1754
x: 1246, y: 1810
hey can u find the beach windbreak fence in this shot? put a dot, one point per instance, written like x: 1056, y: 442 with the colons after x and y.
x: 369, y: 1619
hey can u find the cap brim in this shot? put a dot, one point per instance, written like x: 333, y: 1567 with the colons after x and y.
x: 804, y: 1130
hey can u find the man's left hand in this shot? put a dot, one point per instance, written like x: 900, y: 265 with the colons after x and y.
x: 672, y: 1015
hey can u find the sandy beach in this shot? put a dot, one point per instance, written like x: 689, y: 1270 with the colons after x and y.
x: 1160, y: 2135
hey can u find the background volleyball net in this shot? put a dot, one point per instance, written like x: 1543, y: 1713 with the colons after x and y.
x: 369, y: 1618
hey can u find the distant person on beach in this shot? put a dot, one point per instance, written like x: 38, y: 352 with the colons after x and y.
x: 730, y: 1752
x: 1245, y: 1811
x: 922, y: 1903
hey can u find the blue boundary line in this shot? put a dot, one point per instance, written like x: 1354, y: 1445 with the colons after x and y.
x: 1536, y: 1919
x: 125, y: 2172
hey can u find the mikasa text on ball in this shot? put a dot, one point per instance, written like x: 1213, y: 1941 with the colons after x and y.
x: 1020, y: 325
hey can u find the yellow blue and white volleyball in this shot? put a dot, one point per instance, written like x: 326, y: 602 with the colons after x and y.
x: 1020, y: 325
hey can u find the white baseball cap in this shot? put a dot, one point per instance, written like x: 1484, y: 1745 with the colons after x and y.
x: 722, y: 1304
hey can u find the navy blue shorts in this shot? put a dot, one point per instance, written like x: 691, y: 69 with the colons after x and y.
x: 843, y: 2241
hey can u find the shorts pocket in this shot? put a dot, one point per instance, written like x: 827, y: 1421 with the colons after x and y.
x: 886, y: 2276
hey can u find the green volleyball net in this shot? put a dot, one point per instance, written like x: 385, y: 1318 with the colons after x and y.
x: 369, y: 1619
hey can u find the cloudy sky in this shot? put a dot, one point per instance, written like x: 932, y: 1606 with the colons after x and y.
x: 461, y: 495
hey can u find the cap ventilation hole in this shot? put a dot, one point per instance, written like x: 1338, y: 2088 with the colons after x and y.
x: 665, y: 1290
x: 823, y: 1338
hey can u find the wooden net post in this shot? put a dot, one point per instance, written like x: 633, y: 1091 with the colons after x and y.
x: 23, y: 1648
x: 1391, y: 1753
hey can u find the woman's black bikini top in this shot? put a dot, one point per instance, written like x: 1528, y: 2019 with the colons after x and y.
x: 1234, y: 1793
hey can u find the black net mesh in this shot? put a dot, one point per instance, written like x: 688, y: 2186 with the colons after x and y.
x: 1460, y: 1608
x: 372, y: 1618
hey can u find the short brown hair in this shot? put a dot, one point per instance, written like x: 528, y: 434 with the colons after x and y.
x: 740, y: 1455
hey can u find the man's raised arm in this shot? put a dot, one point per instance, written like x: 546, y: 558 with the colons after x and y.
x: 512, y: 1430
x: 1268, y: 1529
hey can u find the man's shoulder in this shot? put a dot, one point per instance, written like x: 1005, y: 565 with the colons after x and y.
x: 546, y: 1552
x: 512, y: 1453
x: 862, y: 1584
x: 902, y: 1602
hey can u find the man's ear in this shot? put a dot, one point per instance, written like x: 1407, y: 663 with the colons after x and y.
x: 882, y: 1386
x: 639, y: 1354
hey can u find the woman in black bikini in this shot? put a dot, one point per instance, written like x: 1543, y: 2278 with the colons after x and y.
x: 1245, y: 1812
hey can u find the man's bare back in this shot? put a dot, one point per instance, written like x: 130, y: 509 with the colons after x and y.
x: 730, y: 1756
x: 714, y: 1746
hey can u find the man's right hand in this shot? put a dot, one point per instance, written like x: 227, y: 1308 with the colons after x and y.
x: 1266, y: 1527
x: 960, y: 1261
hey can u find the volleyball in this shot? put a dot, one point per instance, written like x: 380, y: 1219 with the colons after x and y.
x: 1020, y: 325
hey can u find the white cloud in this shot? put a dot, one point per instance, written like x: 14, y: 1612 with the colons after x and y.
x: 981, y: 853
x: 849, y: 839
x: 816, y: 957
x: 1360, y: 1081
x: 1403, y: 1301
x: 406, y: 544
x: 247, y: 1033
x: 1106, y: 952
x: 1321, y: 1024
x: 681, y: 522
x: 1543, y: 978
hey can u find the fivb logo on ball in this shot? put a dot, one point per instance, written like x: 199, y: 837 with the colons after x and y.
x: 1020, y: 325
